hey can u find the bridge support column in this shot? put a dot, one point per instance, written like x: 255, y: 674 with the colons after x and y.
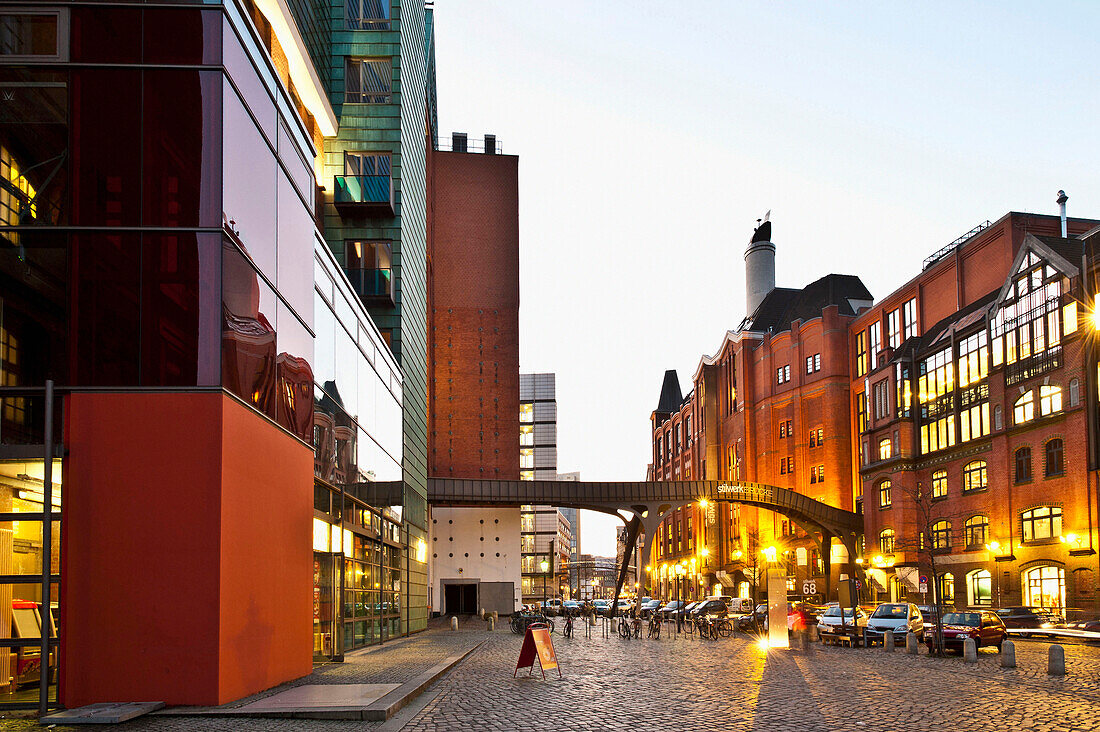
x: 632, y: 528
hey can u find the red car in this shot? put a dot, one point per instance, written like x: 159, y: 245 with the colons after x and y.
x: 983, y: 626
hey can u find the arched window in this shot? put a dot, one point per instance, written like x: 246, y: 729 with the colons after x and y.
x: 884, y: 449
x: 976, y: 531
x: 1074, y: 392
x: 975, y: 476
x: 1024, y: 408
x: 1023, y: 464
x: 886, y: 541
x: 946, y: 587
x: 1053, y: 464
x: 1044, y: 522
x: 939, y: 484
x: 885, y: 500
x: 1045, y: 587
x: 979, y: 585
x: 941, y: 535
x: 1050, y: 399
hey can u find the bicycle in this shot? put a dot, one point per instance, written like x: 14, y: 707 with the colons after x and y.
x: 654, y: 627
x: 725, y: 627
x: 567, y: 631
x: 689, y: 627
x: 630, y: 628
x: 521, y: 621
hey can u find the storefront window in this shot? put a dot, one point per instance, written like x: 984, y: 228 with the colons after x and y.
x: 1045, y: 587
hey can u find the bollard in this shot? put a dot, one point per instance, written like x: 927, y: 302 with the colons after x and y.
x: 912, y: 645
x: 1056, y: 660
x: 888, y: 641
x: 804, y: 634
x: 491, y: 624
x: 496, y: 617
x: 1008, y: 654
x: 454, y: 622
x: 970, y: 651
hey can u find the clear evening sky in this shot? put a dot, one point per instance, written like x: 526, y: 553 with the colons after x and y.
x: 652, y: 135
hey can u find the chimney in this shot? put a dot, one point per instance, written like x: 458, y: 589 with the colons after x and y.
x: 490, y: 144
x: 458, y: 142
x: 759, y: 266
x: 1061, y: 201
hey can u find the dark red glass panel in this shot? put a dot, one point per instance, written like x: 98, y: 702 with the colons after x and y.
x: 181, y: 125
x: 182, y: 36
x: 105, y: 322
x: 106, y: 35
x: 180, y: 309
x: 249, y: 362
x: 105, y: 149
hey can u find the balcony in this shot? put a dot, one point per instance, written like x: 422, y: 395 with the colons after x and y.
x: 364, y: 195
x: 374, y: 286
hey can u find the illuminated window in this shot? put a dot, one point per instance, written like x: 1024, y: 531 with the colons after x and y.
x: 817, y: 474
x: 861, y: 411
x: 904, y: 397
x: 973, y: 359
x: 526, y: 435
x: 1044, y: 522
x: 1024, y: 408
x: 884, y: 449
x: 1053, y: 464
x: 909, y: 318
x: 1050, y: 399
x: 893, y: 328
x: 861, y: 353
x: 886, y: 541
x: 813, y: 363
x: 941, y: 535
x: 817, y: 437
x: 527, y: 412
x: 976, y: 531
x: 975, y: 476
x: 946, y: 587
x: 939, y: 484
x: 885, y: 500
x: 1023, y: 464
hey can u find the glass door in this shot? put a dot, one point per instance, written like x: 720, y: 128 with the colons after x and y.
x: 328, y: 625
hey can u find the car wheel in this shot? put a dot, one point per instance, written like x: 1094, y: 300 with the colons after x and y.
x: 999, y: 644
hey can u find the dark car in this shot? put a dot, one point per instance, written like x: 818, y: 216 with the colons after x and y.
x: 685, y: 611
x: 710, y: 607
x: 983, y: 626
x: 669, y: 610
x: 750, y: 621
x: 1030, y: 619
x: 1092, y: 626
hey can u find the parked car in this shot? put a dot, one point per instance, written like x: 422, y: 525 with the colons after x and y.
x: 551, y: 606
x: 669, y: 608
x: 1025, y: 619
x: 900, y: 617
x: 833, y: 617
x: 710, y: 606
x: 571, y: 607
x: 985, y: 627
x: 685, y: 611
x: 751, y: 620
x: 602, y: 607
x: 738, y: 605
x: 649, y: 608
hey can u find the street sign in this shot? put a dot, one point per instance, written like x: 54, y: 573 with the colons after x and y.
x: 923, y: 580
x: 537, y: 644
x: 809, y: 587
x: 923, y: 587
x: 859, y: 585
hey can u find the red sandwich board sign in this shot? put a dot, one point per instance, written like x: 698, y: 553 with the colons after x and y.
x: 537, y: 644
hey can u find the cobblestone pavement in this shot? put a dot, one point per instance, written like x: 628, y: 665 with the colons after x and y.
x: 731, y: 684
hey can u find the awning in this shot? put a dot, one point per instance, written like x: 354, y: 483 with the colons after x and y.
x: 725, y: 578
x: 878, y: 578
x: 910, y: 577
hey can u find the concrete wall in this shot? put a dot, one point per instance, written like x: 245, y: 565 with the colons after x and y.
x: 479, y: 544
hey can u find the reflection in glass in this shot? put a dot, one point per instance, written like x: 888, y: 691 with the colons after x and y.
x: 248, y: 334
x: 34, y: 142
x: 249, y: 175
x: 106, y: 320
x: 106, y: 175
x: 295, y: 390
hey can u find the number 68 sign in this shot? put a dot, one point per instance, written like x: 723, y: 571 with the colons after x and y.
x: 809, y: 587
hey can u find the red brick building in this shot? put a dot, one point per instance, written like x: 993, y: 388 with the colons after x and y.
x: 974, y: 398
x: 771, y: 406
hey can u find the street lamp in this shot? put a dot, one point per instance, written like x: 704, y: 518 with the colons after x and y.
x: 680, y: 571
x: 545, y: 567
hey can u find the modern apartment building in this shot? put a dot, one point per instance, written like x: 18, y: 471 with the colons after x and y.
x: 770, y: 406
x: 473, y: 346
x: 235, y: 407
x: 573, y: 516
x: 974, y: 402
x: 547, y: 537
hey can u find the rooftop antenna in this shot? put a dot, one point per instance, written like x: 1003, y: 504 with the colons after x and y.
x: 1061, y: 201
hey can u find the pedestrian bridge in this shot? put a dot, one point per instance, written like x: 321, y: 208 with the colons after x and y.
x: 642, y: 504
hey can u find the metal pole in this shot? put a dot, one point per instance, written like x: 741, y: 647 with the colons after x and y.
x: 47, y: 555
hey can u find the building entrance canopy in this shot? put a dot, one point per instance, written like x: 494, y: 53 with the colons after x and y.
x: 647, y: 502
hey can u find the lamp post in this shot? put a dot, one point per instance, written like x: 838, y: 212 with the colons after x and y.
x: 545, y: 567
x: 679, y: 596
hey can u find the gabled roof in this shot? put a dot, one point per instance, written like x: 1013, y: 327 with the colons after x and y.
x: 1062, y: 254
x: 784, y: 305
x: 671, y: 396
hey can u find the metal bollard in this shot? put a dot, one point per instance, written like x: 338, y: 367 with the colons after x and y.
x: 912, y: 645
x: 888, y: 641
x: 1056, y: 660
x: 1008, y: 654
x: 496, y: 616
x: 970, y: 651
x: 491, y: 624
x: 454, y: 622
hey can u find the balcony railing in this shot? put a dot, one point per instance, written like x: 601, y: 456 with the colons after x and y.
x: 1029, y: 368
x: 374, y: 286
x: 364, y: 195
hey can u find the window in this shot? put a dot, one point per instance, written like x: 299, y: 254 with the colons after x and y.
x: 904, y: 398
x: 874, y: 337
x: 527, y: 458
x: 939, y: 484
x: 368, y: 81
x: 974, y: 422
x: 1040, y: 523
x: 1023, y: 464
x: 1074, y: 392
x: 367, y: 14
x: 861, y: 411
x: 783, y: 374
x: 1024, y: 408
x: 941, y: 535
x: 819, y: 471
x: 909, y: 318
x: 527, y: 435
x: 817, y: 437
x: 786, y: 465
x: 975, y: 476
x: 1046, y: 587
x: 945, y: 584
x: 785, y: 429
x: 1027, y: 328
x: 881, y: 394
x: 893, y: 328
x: 1053, y: 464
x: 813, y: 363
x: 976, y: 531
x: 885, y: 449
x: 885, y: 500
x: 861, y: 353
x: 973, y: 359
x: 1050, y: 399
x: 886, y: 541
x: 364, y: 164
x: 32, y: 35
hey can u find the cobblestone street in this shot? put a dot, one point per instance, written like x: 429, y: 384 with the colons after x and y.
x: 731, y: 684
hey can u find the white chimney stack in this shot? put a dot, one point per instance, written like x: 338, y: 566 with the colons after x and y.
x: 1061, y: 200
x: 759, y: 266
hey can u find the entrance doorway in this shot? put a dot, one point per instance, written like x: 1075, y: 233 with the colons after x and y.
x: 1045, y: 587
x: 460, y: 599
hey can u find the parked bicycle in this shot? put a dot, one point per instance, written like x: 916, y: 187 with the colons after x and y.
x: 567, y: 631
x: 654, y: 627
x: 521, y: 620
x: 630, y: 627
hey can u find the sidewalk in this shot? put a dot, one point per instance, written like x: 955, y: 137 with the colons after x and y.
x: 371, y: 684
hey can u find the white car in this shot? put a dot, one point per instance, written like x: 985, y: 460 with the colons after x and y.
x: 900, y: 617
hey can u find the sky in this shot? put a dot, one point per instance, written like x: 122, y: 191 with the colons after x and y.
x: 651, y: 136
